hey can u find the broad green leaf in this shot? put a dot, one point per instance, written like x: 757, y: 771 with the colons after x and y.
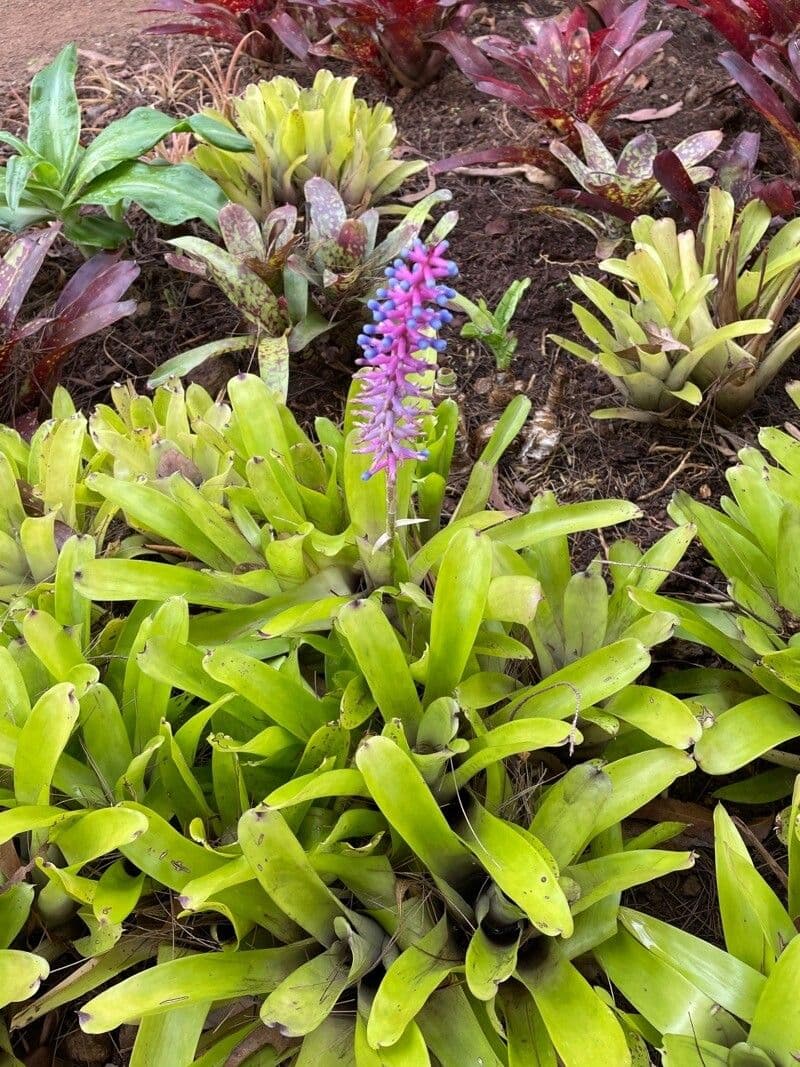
x: 54, y: 120
x: 188, y: 981
x: 172, y: 194
x: 382, y: 661
x: 281, y: 865
x: 715, y: 972
x: 21, y: 973
x: 744, y: 732
x: 639, y: 778
x: 401, y: 794
x: 776, y: 1024
x: 582, y: 1028
x: 569, y: 811
x: 453, y: 1033
x: 656, y: 713
x: 667, y: 999
x: 756, y: 925
x: 518, y: 865
x: 408, y: 984
x: 606, y: 875
x: 42, y: 740
x: 281, y: 698
x: 170, y: 1037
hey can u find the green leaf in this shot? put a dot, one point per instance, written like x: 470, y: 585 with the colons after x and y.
x: 408, y: 984
x: 54, y: 120
x: 459, y: 602
x: 520, y: 866
x: 181, y: 365
x: 582, y: 1028
x: 170, y: 1037
x: 172, y: 194
x: 124, y: 139
x: 453, y: 1033
x: 42, y: 740
x: 745, y: 732
x: 21, y: 974
x: 528, y: 530
x: 756, y: 925
x: 717, y: 973
x: 281, y: 865
x: 670, y: 1002
x: 776, y: 1025
x: 382, y: 661
x: 400, y: 792
x: 658, y: 714
x: 569, y: 811
x: 282, y: 699
x: 188, y: 981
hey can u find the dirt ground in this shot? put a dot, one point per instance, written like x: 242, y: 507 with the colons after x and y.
x: 32, y: 31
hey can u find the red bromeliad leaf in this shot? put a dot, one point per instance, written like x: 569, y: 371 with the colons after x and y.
x: 764, y: 98
x: 391, y: 40
x: 747, y: 23
x: 17, y: 272
x: 567, y: 73
x: 267, y: 25
x: 671, y: 175
x: 89, y: 302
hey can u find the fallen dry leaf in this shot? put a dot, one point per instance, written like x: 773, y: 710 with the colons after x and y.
x: 648, y: 114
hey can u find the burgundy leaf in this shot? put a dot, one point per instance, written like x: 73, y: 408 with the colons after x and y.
x: 766, y: 101
x: 673, y: 177
x: 595, y: 202
x: 18, y: 269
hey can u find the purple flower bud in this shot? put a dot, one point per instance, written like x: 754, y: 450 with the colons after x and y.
x: 389, y: 423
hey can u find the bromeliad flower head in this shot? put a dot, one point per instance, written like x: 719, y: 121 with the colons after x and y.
x: 407, y: 316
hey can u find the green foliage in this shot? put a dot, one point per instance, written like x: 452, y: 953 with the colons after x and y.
x: 51, y: 176
x: 702, y: 314
x: 709, y: 1005
x: 293, y: 287
x: 319, y: 759
x: 492, y: 328
x: 297, y: 134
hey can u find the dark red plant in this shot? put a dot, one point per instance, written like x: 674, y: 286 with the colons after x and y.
x: 89, y: 302
x: 269, y: 26
x: 784, y: 70
x: 747, y: 23
x: 569, y: 72
x: 390, y: 40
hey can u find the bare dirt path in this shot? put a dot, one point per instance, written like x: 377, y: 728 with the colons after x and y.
x: 32, y: 31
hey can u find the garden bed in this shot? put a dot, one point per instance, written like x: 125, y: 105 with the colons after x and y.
x: 501, y: 236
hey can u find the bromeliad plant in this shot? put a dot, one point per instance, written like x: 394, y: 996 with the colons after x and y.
x: 297, y: 134
x: 492, y: 328
x: 293, y: 287
x: 43, y: 503
x: 679, y: 338
x: 710, y: 1007
x: 748, y: 23
x: 567, y: 74
x: 627, y: 187
x: 51, y: 176
x: 263, y: 28
x: 393, y: 41
x: 324, y: 769
x: 33, y: 352
x: 782, y: 68
x: 390, y: 894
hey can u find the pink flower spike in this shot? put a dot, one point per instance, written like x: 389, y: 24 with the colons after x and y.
x: 407, y: 316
